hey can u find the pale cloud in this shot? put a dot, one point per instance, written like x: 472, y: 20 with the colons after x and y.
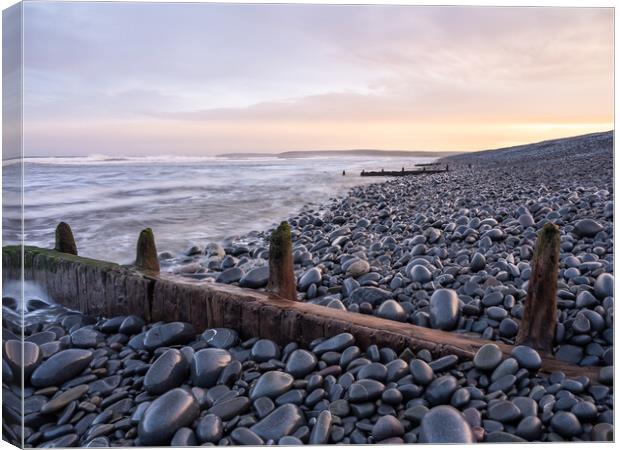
x: 203, y: 79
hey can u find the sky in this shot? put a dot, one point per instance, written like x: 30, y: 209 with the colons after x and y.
x: 203, y: 79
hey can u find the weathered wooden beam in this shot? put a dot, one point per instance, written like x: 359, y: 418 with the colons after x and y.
x: 102, y: 288
x: 146, y: 252
x: 65, y: 242
x: 537, y: 328
x: 281, y: 273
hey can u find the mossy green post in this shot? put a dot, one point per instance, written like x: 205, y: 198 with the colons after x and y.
x: 537, y: 328
x: 281, y: 273
x: 65, y: 242
x: 146, y: 252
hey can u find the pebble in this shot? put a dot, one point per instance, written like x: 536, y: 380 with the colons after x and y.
x: 272, y: 384
x: 387, y: 427
x: 300, y: 363
x: 445, y: 425
x: 61, y: 367
x: 444, y: 309
x: 283, y: 421
x: 167, y: 372
x: 164, y: 416
x: 527, y: 357
x: 207, y: 365
x: 488, y: 357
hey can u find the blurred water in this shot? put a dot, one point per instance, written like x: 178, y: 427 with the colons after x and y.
x: 107, y: 201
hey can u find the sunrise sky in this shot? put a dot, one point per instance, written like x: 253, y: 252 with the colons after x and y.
x: 194, y: 79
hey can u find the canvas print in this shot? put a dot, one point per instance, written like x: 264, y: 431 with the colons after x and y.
x: 301, y: 224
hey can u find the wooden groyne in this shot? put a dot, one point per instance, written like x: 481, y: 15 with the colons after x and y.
x: 402, y: 172
x: 102, y: 288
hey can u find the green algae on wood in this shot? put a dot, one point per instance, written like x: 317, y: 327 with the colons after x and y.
x: 65, y: 242
x: 281, y: 273
x: 537, y: 328
x: 146, y: 252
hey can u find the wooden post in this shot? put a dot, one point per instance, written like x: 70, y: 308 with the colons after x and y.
x: 281, y: 273
x: 65, y: 242
x: 146, y: 252
x: 537, y: 328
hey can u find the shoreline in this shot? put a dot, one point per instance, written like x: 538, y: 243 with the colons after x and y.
x: 382, y: 249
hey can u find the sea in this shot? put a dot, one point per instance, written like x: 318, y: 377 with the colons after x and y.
x: 185, y: 200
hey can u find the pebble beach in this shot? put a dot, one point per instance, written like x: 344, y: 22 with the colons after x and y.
x: 449, y: 251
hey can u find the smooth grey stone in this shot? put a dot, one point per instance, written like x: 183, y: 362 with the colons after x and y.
x: 508, y: 328
x: 50, y: 348
x: 566, y: 424
x: 230, y: 275
x: 283, y: 421
x: 365, y: 390
x: 167, y: 372
x: 64, y: 398
x: 527, y: 357
x: 585, y: 411
x: 104, y: 386
x: 290, y: 441
x: 392, y: 397
x: 369, y: 294
x: 526, y: 405
x: 61, y: 367
x: 503, y: 411
x: 606, y: 375
x: 264, y: 349
x: 300, y: 363
x: 321, y: 430
x: 374, y: 371
x: 387, y: 427
x: 209, y: 428
x: 488, y: 357
x: 460, y: 398
x: 245, y: 436
x: 391, y: 309
x: 504, y: 383
x: 263, y: 406
x: 131, y: 325
x: 311, y: 276
x: 445, y: 425
x: 396, y: 369
x: 255, y: 278
x: 587, y: 228
x: 272, y: 384
x: 207, y: 365
x: 112, y: 325
x: 529, y: 428
x: 478, y: 262
x: 444, y: 309
x: 422, y: 373
x: 604, y: 286
x: 502, y: 436
x: 228, y: 409
x: 444, y: 363
x: 441, y: 389
x: 334, y: 344
x: 569, y: 353
x: 184, y: 437
x: 223, y: 338
x: 20, y: 356
x: 86, y: 338
x: 509, y: 366
x: 165, y: 415
x: 602, y: 432
x: 165, y: 335
x: 41, y: 338
x: 420, y: 274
